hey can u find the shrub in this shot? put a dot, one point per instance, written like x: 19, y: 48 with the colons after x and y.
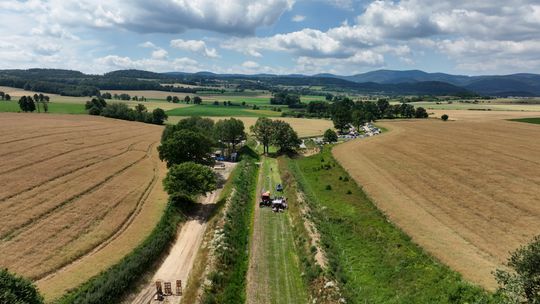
x: 328, y: 187
x: 444, y: 117
x: 17, y: 290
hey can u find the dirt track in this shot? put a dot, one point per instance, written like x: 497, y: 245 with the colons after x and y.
x: 179, y: 262
x: 467, y: 191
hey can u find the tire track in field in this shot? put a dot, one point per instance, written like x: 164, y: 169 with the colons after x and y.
x: 42, y: 160
x: 44, y: 216
x: 5, y: 198
x: 44, y: 135
x: 140, y: 203
x: 50, y: 143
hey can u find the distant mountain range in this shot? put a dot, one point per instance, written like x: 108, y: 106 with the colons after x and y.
x: 388, y: 82
x: 493, y: 85
x: 497, y: 85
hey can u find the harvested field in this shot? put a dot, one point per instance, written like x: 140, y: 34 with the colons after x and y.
x: 466, y: 191
x: 72, y: 187
x: 477, y: 116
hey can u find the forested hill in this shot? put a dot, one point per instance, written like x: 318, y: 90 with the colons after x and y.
x: 74, y: 83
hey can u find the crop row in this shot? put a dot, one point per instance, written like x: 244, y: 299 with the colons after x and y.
x: 111, y: 285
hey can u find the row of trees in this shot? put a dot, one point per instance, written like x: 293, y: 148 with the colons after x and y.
x: 285, y: 98
x: 187, y: 99
x: 4, y: 96
x: 29, y: 104
x: 187, y: 149
x: 345, y: 112
x: 275, y: 132
x: 98, y: 106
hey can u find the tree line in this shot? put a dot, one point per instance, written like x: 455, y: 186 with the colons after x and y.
x: 5, y: 96
x: 98, y: 106
x: 275, y: 132
x: 174, y: 99
x: 30, y: 104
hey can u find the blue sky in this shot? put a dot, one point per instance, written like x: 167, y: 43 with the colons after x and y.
x: 272, y: 36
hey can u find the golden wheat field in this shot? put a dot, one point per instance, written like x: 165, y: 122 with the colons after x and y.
x: 75, y: 187
x: 467, y: 191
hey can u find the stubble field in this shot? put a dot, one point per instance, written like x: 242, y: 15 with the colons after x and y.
x: 73, y: 186
x: 467, y: 191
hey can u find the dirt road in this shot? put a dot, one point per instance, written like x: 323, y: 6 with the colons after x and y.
x: 178, y: 264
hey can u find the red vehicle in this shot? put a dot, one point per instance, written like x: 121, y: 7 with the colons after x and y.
x: 266, y: 200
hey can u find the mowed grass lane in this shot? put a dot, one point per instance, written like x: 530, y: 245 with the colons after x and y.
x: 373, y: 260
x: 274, y: 274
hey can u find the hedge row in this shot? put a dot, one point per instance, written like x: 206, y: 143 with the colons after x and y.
x: 111, y: 285
x: 228, y: 281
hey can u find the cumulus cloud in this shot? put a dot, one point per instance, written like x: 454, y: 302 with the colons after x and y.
x: 112, y: 62
x: 250, y: 64
x: 195, y: 46
x: 298, y: 18
x: 240, y: 17
x: 159, y: 54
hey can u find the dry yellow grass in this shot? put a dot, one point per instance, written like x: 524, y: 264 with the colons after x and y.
x: 480, y: 116
x: 79, y: 193
x: 467, y: 191
x: 304, y: 127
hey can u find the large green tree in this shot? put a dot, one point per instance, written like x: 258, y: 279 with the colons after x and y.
x: 330, y: 136
x: 186, y: 146
x: 193, y: 123
x: 263, y: 130
x: 230, y: 132
x: 285, y: 137
x: 189, y: 179
x: 17, y: 290
x: 26, y: 103
x: 341, y: 113
x: 158, y: 116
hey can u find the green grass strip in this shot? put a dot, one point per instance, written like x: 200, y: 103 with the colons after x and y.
x: 54, y: 107
x: 533, y: 120
x: 229, y: 278
x: 373, y: 260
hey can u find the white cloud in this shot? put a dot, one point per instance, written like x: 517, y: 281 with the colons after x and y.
x: 148, y: 45
x: 159, y: 54
x: 240, y: 17
x: 114, y: 62
x: 298, y: 18
x: 250, y: 64
x: 195, y: 46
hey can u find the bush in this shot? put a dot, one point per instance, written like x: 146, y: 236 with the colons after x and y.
x: 328, y: 187
x: 523, y: 285
x: 330, y: 136
x: 444, y: 117
x: 17, y: 290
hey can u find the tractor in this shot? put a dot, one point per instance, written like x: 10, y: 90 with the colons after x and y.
x: 266, y: 200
